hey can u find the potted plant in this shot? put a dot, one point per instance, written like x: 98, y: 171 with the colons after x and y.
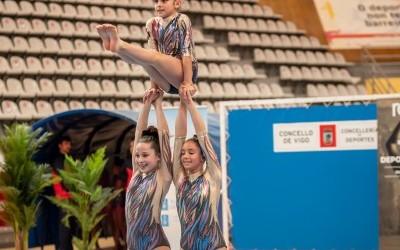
x: 21, y: 179
x: 87, y: 197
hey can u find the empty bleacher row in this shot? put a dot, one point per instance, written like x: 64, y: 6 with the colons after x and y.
x: 51, y: 53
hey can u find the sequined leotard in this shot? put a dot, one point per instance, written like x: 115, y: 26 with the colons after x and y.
x: 173, y: 36
x: 197, y: 199
x: 143, y: 203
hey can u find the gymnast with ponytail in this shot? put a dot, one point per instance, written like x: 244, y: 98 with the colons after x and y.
x: 151, y: 180
x: 197, y: 178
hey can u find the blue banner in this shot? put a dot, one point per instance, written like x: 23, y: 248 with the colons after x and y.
x: 321, y: 196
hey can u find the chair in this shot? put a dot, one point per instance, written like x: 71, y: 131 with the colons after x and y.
x: 214, y: 71
x: 227, y: 7
x: 64, y: 66
x: 36, y: 45
x: 210, y: 23
x: 226, y: 71
x: 82, y: 28
x: 322, y: 90
x: 351, y: 89
x: 47, y: 88
x: 211, y: 53
x: 23, y: 26
x: 342, y: 90
x: 258, y: 55
x: 4, y: 65
x: 295, y: 41
x: 277, y: 90
x: 3, y: 88
x: 305, y: 42
x: 107, y: 105
x: 217, y: 7
x: 233, y: 38
x: 247, y: 9
x: 251, y: 24
x: 311, y: 58
x: 110, y: 14
x: 138, y: 89
x: 80, y: 66
x: 241, y: 24
x: 230, y: 90
x: 49, y: 66
x: 136, y: 105
x: 217, y: 90
x: 244, y: 39
x: 54, y: 27
x: 83, y: 11
x: 242, y: 91
x: 94, y: 88
x: 312, y: 90
x: 38, y: 27
x: 95, y: 48
x: 33, y: 65
x: 60, y: 106
x: 11, y: 7
x: 237, y: 8
x: 290, y: 56
x: 306, y: 73
x: 109, y: 67
x: 95, y: 67
x: 89, y: 104
x: 14, y: 88
x: 301, y: 57
x: 81, y: 47
x: 332, y: 90
x: 20, y: 44
x: 136, y: 16
x: 265, y: 90
x: 7, y: 44
x: 123, y: 68
x: 78, y: 88
x: 27, y: 110
x: 255, y: 39
x: 204, y: 90
x: 63, y: 88
x: 96, y: 13
x: 124, y: 90
x: 66, y: 47
x: 108, y: 88
x: 55, y: 10
x: 261, y: 25
x: 285, y: 72
x: 51, y: 45
x: 280, y: 56
x: 200, y: 53
x: 74, y: 105
x: 276, y: 40
x: 8, y: 25
x: 67, y: 28
x: 253, y: 90
x: 316, y: 74
x: 230, y: 23
x: 17, y: 65
x: 10, y: 110
x: 203, y: 70
x: 361, y: 89
x: 122, y: 105
x: 44, y: 109
x: 41, y: 9
x: 281, y: 26
x: 249, y: 72
x: 296, y: 73
x: 69, y: 11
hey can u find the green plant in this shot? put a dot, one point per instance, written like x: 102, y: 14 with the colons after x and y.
x: 21, y: 179
x: 87, y: 197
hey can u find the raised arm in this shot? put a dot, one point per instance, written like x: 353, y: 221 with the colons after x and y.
x: 142, y: 123
x: 213, y: 166
x: 180, y: 136
x: 163, y: 136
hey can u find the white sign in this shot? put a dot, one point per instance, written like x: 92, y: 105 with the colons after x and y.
x: 325, y: 136
x: 356, y: 23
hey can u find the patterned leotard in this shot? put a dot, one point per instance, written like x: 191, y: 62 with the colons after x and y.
x: 143, y: 204
x: 173, y: 36
x: 197, y: 199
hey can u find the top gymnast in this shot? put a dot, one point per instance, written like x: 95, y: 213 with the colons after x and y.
x: 170, y: 61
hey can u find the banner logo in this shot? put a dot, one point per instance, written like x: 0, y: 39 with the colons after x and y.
x: 327, y: 135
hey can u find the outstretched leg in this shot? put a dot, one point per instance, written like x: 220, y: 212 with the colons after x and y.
x: 167, y: 66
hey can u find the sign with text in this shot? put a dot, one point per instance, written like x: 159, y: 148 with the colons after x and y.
x: 357, y: 23
x: 318, y: 136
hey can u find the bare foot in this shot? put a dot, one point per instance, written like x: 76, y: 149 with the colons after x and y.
x: 101, y: 29
x: 115, y: 41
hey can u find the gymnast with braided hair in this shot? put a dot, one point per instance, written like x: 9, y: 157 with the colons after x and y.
x: 151, y: 180
x: 197, y: 188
